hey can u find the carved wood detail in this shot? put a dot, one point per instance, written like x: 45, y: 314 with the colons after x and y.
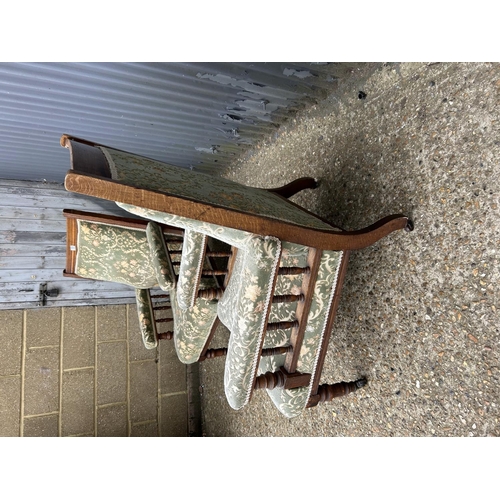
x: 327, y: 392
x: 165, y: 335
x: 161, y: 308
x: 293, y: 270
x: 282, y: 325
x: 295, y: 187
x: 214, y: 272
x: 279, y: 299
x: 281, y: 378
x: 210, y: 293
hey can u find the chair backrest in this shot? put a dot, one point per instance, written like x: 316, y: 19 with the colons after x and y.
x: 119, y: 249
x: 123, y: 177
x: 253, y: 220
x: 129, y: 251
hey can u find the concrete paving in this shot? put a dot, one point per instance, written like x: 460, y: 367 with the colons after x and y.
x: 419, y: 311
x: 84, y: 371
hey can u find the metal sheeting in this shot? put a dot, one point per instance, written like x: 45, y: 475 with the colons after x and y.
x: 195, y: 115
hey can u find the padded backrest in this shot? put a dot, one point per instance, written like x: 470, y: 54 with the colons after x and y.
x: 114, y: 253
x: 160, y: 258
x: 145, y: 173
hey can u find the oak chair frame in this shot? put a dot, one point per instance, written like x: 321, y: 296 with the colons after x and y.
x: 90, y: 175
x: 161, y: 300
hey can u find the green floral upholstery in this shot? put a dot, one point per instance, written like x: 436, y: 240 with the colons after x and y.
x: 149, y: 174
x: 228, y: 302
x: 114, y: 253
x: 238, y: 388
x: 192, y: 327
x: 160, y: 259
x: 290, y: 402
x: 191, y: 267
x: 247, y: 297
x: 293, y: 401
x: 130, y: 256
x: 233, y: 237
x: 146, y: 318
x: 260, y: 262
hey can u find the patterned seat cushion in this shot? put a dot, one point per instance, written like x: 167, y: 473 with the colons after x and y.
x: 160, y: 258
x: 290, y: 402
x: 114, y: 253
x: 191, y: 267
x: 293, y: 401
x: 259, y: 262
x: 146, y: 318
x: 192, y: 327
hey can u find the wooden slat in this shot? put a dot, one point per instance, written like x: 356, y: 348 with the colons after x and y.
x: 67, y: 285
x: 302, y: 311
x: 33, y: 262
x: 80, y: 301
x: 71, y: 242
x: 14, y: 250
x: 125, y: 296
x: 33, y: 225
x: 41, y: 275
x: 37, y: 238
x: 33, y: 247
x: 56, y: 201
x: 30, y: 213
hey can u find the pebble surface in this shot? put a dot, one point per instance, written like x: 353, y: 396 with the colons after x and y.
x: 419, y: 311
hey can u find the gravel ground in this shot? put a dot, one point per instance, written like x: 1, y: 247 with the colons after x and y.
x: 419, y: 311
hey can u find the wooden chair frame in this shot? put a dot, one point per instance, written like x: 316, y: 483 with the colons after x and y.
x: 90, y: 175
x: 160, y: 300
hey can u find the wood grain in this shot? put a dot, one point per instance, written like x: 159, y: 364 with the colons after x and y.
x: 322, y: 239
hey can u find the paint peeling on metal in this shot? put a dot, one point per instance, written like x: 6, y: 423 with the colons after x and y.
x: 227, y: 80
x: 298, y: 73
x: 195, y: 115
x: 213, y: 150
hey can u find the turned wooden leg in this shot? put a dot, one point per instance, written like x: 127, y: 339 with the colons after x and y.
x: 165, y: 335
x: 210, y: 293
x: 327, y: 392
x: 295, y: 187
x: 281, y: 378
x: 222, y: 351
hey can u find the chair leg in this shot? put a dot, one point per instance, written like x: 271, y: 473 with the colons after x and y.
x: 295, y: 187
x: 327, y: 392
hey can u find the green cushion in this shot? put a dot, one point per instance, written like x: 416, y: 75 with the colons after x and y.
x: 233, y: 237
x: 256, y: 280
x: 293, y: 401
x: 243, y: 348
x: 150, y: 174
x: 191, y: 267
x: 114, y: 253
x: 192, y: 328
x: 160, y: 258
x: 146, y: 318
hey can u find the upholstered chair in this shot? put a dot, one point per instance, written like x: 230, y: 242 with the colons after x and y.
x: 287, y: 271
x: 142, y: 255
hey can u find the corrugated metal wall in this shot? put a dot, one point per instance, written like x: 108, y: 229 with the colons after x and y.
x: 196, y: 115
